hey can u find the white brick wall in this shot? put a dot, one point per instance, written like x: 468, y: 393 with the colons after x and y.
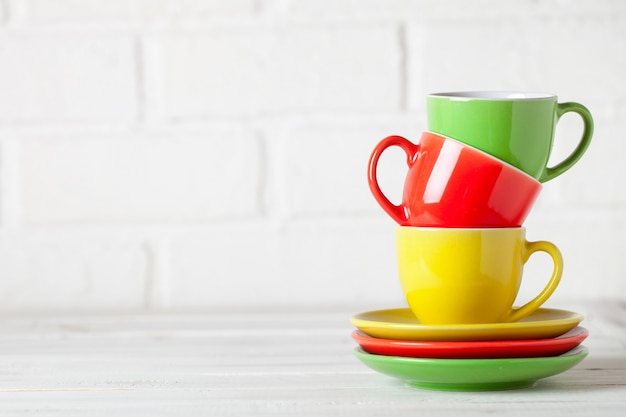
x: 40, y: 274
x: 205, y: 154
x: 54, y: 77
x: 277, y: 69
x: 147, y: 177
x: 116, y: 11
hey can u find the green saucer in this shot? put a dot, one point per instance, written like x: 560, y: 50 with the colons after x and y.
x: 472, y: 374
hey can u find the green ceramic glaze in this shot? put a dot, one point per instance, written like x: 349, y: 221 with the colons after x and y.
x: 517, y: 128
x: 472, y: 374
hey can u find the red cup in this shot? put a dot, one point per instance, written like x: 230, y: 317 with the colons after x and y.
x: 451, y: 184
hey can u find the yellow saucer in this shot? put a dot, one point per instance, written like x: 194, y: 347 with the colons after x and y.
x: 401, y: 324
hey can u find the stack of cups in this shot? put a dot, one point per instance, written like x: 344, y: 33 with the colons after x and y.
x: 472, y: 180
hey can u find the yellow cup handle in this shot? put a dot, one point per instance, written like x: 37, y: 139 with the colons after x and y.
x: 531, y: 306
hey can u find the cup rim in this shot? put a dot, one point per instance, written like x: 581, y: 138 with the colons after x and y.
x: 488, y: 155
x: 463, y: 229
x: 494, y: 95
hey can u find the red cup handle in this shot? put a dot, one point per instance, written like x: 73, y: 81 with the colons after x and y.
x: 397, y: 212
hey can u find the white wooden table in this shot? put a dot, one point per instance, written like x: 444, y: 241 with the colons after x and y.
x: 255, y: 364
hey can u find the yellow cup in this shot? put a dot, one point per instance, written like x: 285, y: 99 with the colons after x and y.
x: 461, y: 276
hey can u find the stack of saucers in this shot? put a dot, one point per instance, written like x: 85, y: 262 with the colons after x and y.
x: 469, y: 357
x: 472, y: 180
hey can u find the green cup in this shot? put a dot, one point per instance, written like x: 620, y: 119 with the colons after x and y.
x: 517, y: 128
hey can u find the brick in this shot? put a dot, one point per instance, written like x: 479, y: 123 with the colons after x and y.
x: 309, y: 265
x: 446, y: 10
x: 356, y: 8
x: 593, y: 266
x: 594, y: 181
x: 567, y: 59
x: 452, y: 56
x: 481, y: 10
x: 278, y: 70
x: 510, y: 54
x: 321, y: 264
x: 50, y: 78
x: 153, y: 177
x: 332, y: 178
x: 68, y: 275
x: 135, y: 10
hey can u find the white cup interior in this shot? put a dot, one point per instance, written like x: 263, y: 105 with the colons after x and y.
x: 495, y: 95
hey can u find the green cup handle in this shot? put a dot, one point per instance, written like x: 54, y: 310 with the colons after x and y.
x: 552, y: 172
x: 532, y: 306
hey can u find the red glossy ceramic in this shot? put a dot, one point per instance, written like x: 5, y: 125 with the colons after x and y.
x: 482, y: 349
x: 451, y: 184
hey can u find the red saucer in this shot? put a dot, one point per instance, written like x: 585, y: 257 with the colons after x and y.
x: 481, y: 349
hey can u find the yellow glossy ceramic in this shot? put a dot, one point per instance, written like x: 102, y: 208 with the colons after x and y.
x: 401, y: 324
x: 459, y: 276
